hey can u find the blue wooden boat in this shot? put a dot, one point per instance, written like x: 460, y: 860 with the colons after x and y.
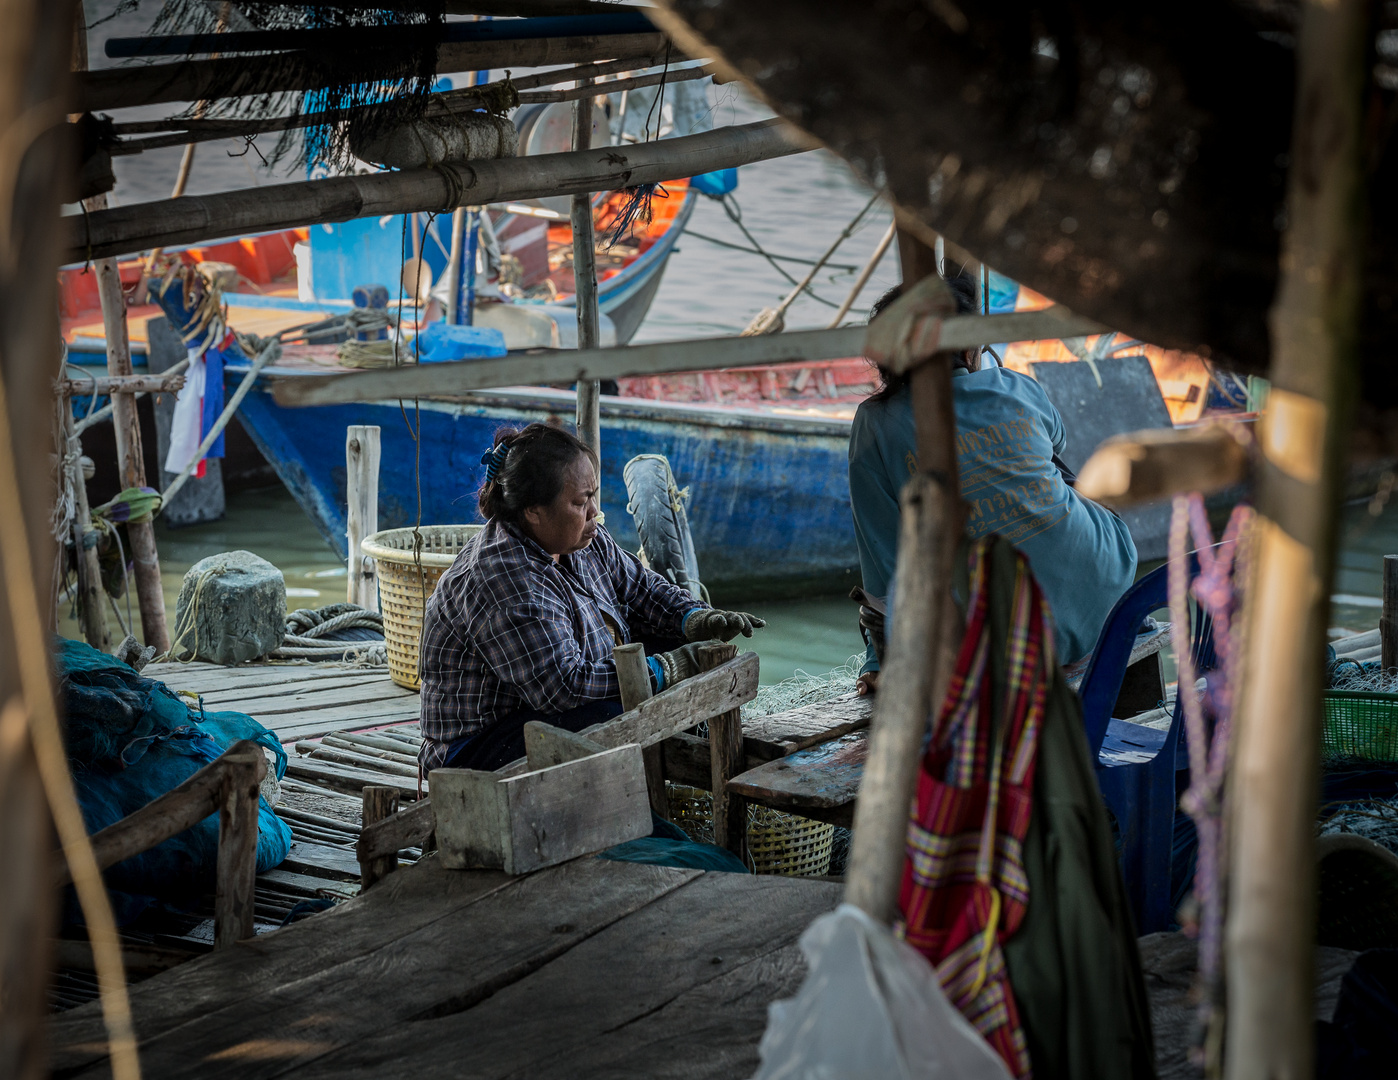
x: 770, y: 494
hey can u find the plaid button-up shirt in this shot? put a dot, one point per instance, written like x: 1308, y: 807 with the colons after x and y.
x: 508, y: 628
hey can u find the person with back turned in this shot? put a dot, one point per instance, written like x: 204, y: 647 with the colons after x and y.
x: 1008, y: 438
x: 522, y: 625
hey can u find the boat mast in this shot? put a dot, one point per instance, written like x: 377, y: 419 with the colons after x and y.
x: 585, y: 282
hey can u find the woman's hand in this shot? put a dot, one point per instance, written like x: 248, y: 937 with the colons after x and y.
x: 867, y: 684
x: 708, y: 624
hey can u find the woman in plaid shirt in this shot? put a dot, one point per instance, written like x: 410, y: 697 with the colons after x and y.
x: 521, y: 627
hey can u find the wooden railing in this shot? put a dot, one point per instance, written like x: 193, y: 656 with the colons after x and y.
x: 228, y: 786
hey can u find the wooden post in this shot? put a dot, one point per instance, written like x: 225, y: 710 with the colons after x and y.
x: 237, y: 848
x: 379, y: 803
x: 585, y: 285
x: 362, y: 517
x: 454, y: 260
x: 1388, y: 621
x: 633, y: 673
x: 131, y: 464
x: 921, y: 649
x: 1270, y: 934
x: 92, y: 609
x: 726, y: 760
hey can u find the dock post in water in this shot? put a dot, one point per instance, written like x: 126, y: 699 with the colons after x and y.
x: 585, y: 286
x: 726, y: 760
x: 1271, y: 922
x: 362, y: 517
x: 1388, y: 621
x: 130, y: 462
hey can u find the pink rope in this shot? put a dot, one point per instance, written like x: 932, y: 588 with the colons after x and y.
x: 1217, y: 590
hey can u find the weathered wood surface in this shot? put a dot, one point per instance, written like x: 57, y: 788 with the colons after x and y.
x: 380, y: 802
x: 785, y: 733
x: 540, y: 819
x: 431, y: 943
x: 297, y: 701
x: 587, y: 969
x: 406, y: 829
x: 350, y: 780
x: 825, y: 777
x: 546, y: 745
x: 656, y: 719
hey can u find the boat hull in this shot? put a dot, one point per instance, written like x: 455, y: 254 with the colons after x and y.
x: 769, y: 505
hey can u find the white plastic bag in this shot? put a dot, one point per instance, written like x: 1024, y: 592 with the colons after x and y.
x: 871, y: 1007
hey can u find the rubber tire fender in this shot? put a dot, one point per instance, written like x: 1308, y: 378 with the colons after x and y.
x: 657, y: 505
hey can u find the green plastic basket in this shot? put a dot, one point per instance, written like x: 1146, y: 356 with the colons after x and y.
x: 1361, y: 724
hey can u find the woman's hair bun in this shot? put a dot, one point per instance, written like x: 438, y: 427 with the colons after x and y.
x: 531, y: 472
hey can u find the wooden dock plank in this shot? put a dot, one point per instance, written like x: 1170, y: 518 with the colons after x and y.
x: 824, y: 778
x: 314, y: 725
x: 324, y: 694
x: 275, y: 1024
x: 785, y: 733
x: 401, y: 905
x: 680, y: 988
x: 201, y: 676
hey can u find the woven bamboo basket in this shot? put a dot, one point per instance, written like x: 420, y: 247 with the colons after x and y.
x: 406, y: 580
x: 778, y: 843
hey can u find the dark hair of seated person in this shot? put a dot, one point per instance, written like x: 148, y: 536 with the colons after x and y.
x: 533, y: 471
x: 963, y: 290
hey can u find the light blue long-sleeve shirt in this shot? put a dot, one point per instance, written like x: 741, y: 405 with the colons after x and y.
x: 1007, y: 433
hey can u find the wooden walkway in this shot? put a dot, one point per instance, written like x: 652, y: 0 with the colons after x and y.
x: 592, y: 968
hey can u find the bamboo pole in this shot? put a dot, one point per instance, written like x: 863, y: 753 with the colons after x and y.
x: 589, y: 416
x: 130, y: 460
x: 92, y: 614
x: 362, y: 511
x: 921, y: 650
x: 1270, y: 931
x: 130, y: 229
x: 865, y: 274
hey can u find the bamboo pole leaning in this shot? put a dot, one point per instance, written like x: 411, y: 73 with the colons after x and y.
x: 1270, y: 933
x: 921, y: 649
x: 145, y: 556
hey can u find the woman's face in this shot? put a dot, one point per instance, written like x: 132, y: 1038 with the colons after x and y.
x: 569, y: 522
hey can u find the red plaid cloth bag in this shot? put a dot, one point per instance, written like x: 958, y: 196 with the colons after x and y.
x: 964, y: 889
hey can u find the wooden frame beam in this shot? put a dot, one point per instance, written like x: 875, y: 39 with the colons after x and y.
x: 126, y: 230
x: 704, y: 354
x: 237, y: 76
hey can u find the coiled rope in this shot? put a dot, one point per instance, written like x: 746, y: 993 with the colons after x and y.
x: 308, y: 628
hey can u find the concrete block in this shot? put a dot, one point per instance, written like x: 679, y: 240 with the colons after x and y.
x: 231, y: 609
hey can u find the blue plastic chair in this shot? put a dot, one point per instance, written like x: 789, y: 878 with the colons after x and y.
x: 1136, y: 766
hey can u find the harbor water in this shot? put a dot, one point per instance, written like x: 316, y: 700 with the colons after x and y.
x: 792, y: 207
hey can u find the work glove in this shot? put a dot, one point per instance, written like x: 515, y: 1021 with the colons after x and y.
x: 682, y: 663
x: 708, y: 623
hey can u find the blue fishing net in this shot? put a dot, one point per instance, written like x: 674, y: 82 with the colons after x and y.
x: 130, y: 740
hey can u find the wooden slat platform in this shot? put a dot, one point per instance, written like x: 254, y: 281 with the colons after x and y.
x: 297, y: 701
x: 590, y: 968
